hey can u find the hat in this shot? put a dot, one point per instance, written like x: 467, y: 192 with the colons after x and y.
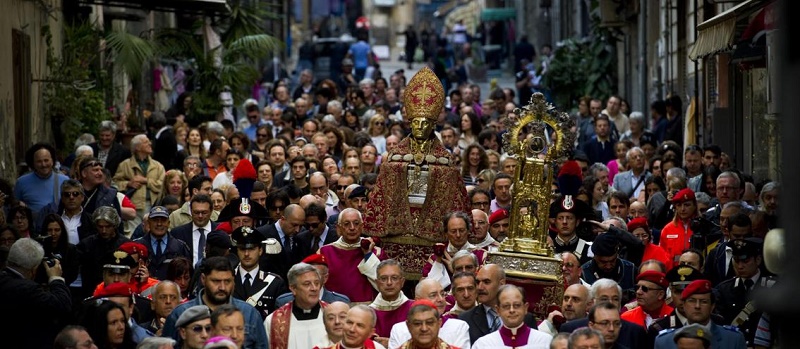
x: 116, y: 289
x: 219, y: 239
x: 242, y: 207
x: 498, y: 215
x: 605, y: 245
x: 119, y: 262
x: 696, y: 287
x: 359, y: 192
x: 746, y: 248
x: 132, y: 247
x: 159, y: 211
x: 247, y: 237
x: 685, y: 194
x: 638, y: 222
x: 424, y: 96
x: 682, y: 275
x: 653, y: 276
x: 569, y: 203
x: 347, y: 61
x: 425, y: 302
x: 193, y: 314
x: 693, y: 331
x: 244, y: 176
x: 316, y: 259
x: 570, y: 178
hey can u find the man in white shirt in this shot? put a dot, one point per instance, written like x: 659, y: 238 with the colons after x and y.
x: 512, y: 307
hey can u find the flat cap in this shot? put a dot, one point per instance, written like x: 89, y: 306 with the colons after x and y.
x: 693, y: 331
x: 195, y: 313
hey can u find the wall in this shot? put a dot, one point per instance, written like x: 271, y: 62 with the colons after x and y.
x: 28, y: 17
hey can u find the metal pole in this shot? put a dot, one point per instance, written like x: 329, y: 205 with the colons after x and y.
x: 644, y: 107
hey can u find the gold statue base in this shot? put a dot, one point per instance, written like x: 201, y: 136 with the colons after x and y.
x: 539, y: 275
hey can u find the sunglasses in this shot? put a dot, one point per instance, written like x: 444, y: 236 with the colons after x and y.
x: 262, y: 135
x: 200, y: 328
x: 277, y: 208
x: 311, y: 226
x: 341, y: 187
x: 646, y: 289
x: 72, y: 194
x: 90, y: 164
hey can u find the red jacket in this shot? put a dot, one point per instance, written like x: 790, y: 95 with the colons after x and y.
x: 638, y: 316
x: 675, y: 238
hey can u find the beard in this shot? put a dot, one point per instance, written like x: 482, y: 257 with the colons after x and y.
x: 218, y: 298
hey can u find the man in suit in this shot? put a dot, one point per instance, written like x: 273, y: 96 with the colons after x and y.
x: 483, y: 319
x: 316, y: 233
x: 607, y: 290
x: 166, y: 146
x: 698, y: 303
x: 106, y: 150
x: 253, y: 284
x: 285, y: 232
x: 631, y: 182
x: 735, y: 225
x: 162, y: 247
x: 328, y: 296
x: 195, y: 233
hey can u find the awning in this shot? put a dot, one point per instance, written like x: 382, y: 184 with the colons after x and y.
x: 498, y: 14
x: 186, y: 6
x: 716, y: 34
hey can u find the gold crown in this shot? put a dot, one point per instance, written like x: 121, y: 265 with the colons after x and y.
x: 424, y: 96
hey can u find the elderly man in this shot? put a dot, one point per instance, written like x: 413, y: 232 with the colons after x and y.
x: 571, y: 268
x: 698, y: 304
x: 729, y: 188
x: 423, y: 324
x: 217, y: 279
x: 327, y: 296
x: 194, y: 327
x: 651, y: 295
x: 451, y: 330
x: 141, y: 177
x: 631, y: 182
x: 482, y: 237
x: 285, y: 231
x: 166, y: 296
x: 512, y: 308
x: 299, y: 323
x: 573, y: 306
x: 604, y: 318
x: 253, y: 284
x: 465, y: 292
x: 391, y: 305
x: 162, y: 247
x: 359, y: 326
x: 353, y: 261
x: 109, y: 153
x: 93, y: 181
x: 228, y: 321
x: 457, y: 226
x: 335, y: 316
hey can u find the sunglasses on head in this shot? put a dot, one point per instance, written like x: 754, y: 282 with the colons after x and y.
x: 90, y: 164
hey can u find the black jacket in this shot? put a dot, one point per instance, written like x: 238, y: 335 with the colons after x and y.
x: 631, y: 335
x: 479, y: 325
x: 34, y: 314
x: 158, y: 264
x: 185, y: 234
x: 165, y: 150
x: 91, y: 252
x: 280, y: 263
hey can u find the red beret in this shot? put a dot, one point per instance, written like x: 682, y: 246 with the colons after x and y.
x: 696, y: 287
x: 498, y: 215
x: 638, y: 222
x: 655, y: 277
x: 316, y: 259
x: 426, y: 302
x: 117, y: 289
x: 132, y: 247
x: 685, y: 194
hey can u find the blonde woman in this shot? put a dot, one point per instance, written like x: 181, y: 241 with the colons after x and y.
x: 175, y: 183
x: 377, y: 131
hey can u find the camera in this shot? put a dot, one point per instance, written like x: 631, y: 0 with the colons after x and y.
x: 700, y: 225
x: 51, y: 260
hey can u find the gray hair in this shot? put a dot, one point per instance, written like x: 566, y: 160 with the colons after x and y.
x: 108, y: 125
x: 215, y: 127
x: 299, y: 269
x: 732, y: 175
x: 637, y: 116
x: 84, y: 139
x: 366, y: 81
x: 335, y: 104
x: 137, y: 140
x: 106, y: 213
x: 464, y: 254
x: 561, y: 336
x: 623, y: 226
x: 349, y: 209
x: 597, y: 167
x: 587, y: 333
x: 631, y: 151
x: 770, y: 186
x: 85, y: 150
x: 300, y: 99
x: 388, y: 262
x: 603, y: 284
x: 25, y: 253
x: 311, y: 146
x: 165, y: 283
x: 66, y: 339
x: 737, y: 204
x: 71, y: 184
x: 676, y: 172
x: 702, y: 198
x: 190, y: 157
x: 155, y: 342
x: 372, y: 315
x: 467, y: 218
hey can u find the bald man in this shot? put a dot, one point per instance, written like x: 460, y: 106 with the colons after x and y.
x: 334, y: 315
x: 573, y: 306
x: 285, y: 231
x: 482, y: 237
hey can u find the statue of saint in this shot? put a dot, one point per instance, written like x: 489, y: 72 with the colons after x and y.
x: 418, y: 182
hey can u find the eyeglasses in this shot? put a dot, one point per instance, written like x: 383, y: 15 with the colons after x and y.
x: 200, y: 328
x: 394, y: 278
x: 607, y: 323
x: 341, y: 187
x: 312, y: 225
x: 72, y: 194
x: 277, y: 208
x: 261, y: 134
x: 646, y: 289
x: 192, y: 164
x: 480, y: 204
x: 508, y: 306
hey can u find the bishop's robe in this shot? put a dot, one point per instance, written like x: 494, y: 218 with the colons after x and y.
x: 290, y: 327
x: 522, y: 337
x: 350, y: 272
x: 390, y: 313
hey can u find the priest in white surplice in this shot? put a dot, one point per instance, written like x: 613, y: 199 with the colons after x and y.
x: 453, y: 331
x: 299, y: 324
x: 511, y: 306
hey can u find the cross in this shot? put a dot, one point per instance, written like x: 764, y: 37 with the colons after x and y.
x: 423, y: 92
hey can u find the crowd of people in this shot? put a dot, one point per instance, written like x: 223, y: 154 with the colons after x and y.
x: 250, y: 234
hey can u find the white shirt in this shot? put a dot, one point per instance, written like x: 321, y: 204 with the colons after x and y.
x: 536, y: 340
x: 196, y: 239
x: 252, y: 273
x: 302, y: 334
x: 454, y: 331
x: 72, y: 224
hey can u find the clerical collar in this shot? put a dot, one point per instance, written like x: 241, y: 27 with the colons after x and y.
x: 561, y: 242
x: 303, y: 314
x: 467, y: 246
x: 515, y: 337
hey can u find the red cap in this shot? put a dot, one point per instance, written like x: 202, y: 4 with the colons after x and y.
x: 132, y: 247
x: 426, y: 302
x: 316, y: 259
x: 497, y: 216
x: 636, y: 223
x: 655, y: 277
x: 117, y: 289
x: 685, y: 194
x: 696, y: 287
x: 244, y: 169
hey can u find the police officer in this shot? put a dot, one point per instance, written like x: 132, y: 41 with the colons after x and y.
x: 241, y: 212
x: 698, y: 304
x: 692, y: 335
x: 679, y: 277
x: 252, y: 283
x: 736, y: 306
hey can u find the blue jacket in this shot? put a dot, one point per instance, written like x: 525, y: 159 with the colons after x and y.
x: 327, y: 297
x: 722, y: 337
x: 255, y: 338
